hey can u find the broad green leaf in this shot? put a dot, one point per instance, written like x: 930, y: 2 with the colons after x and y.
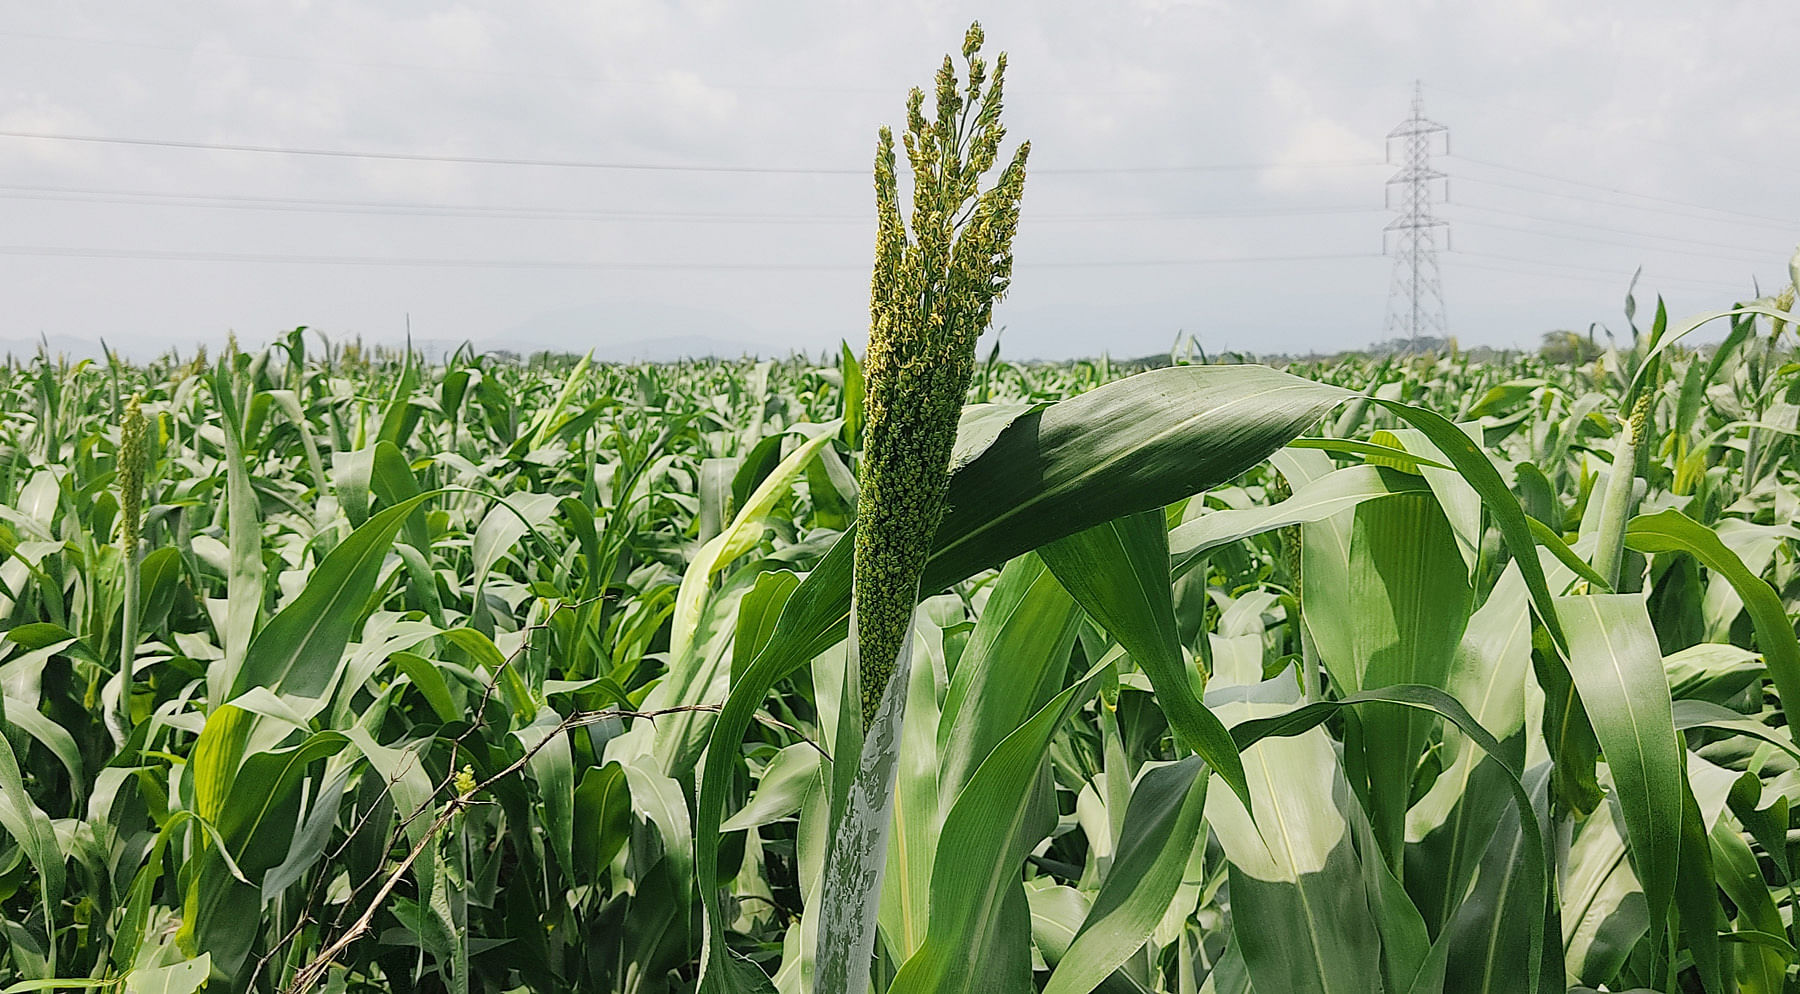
x: 31, y: 829
x: 1388, y: 454
x: 1760, y: 969
x: 1300, y: 917
x: 395, y: 483
x: 1135, y: 444
x: 403, y: 776
x: 1450, y: 826
x: 553, y: 773
x: 426, y: 676
x: 1693, y: 323
x: 1532, y: 855
x: 1500, y: 921
x: 1315, y: 501
x: 255, y: 826
x: 1697, y: 899
x: 1056, y: 914
x: 1604, y: 914
x: 1459, y: 502
x: 548, y: 418
x: 1479, y: 472
x: 1672, y: 531
x: 1403, y: 613
x: 1014, y: 662
x: 1617, y: 667
x: 1160, y: 825
x: 298, y: 651
x: 400, y: 417
x: 159, y: 575
x: 309, y: 843
x: 51, y: 736
x: 244, y: 533
x: 602, y: 819
x: 501, y: 529
x: 1557, y: 547
x: 1119, y: 573
x: 185, y: 977
x: 1705, y: 714
x: 852, y: 386
x: 757, y: 615
x: 971, y: 937
x: 743, y: 534
x: 784, y: 784
x: 217, y: 754
x: 918, y: 812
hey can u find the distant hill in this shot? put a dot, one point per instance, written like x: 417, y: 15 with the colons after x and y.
x: 619, y: 331
x: 615, y: 330
x: 68, y: 346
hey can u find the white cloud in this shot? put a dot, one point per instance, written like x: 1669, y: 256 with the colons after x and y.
x: 1651, y: 97
x: 458, y: 36
x: 27, y: 111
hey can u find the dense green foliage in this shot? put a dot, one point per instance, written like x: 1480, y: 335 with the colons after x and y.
x: 371, y: 705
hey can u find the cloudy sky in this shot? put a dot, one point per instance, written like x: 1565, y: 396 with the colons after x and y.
x: 169, y: 173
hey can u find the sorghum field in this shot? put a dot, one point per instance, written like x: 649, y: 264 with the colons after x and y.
x: 330, y: 669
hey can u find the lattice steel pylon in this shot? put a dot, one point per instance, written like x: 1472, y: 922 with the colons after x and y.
x: 1415, y: 293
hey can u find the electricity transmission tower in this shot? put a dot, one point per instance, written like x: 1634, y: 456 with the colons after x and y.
x: 1415, y: 294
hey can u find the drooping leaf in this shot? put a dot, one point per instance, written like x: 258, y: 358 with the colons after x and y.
x: 1119, y: 573
x: 1160, y: 825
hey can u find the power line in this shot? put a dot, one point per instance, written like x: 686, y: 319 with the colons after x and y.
x: 1218, y: 260
x: 1752, y: 221
x: 1456, y: 262
x: 161, y: 255
x: 1611, y: 189
x: 750, y: 87
x: 210, y: 201
x: 404, y: 209
x: 1466, y: 206
x: 417, y: 67
x: 667, y: 167
x: 1220, y: 168
x: 479, y: 160
x: 1610, y: 241
x: 1552, y: 268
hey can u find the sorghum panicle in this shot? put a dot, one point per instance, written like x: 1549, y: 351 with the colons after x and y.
x: 931, y: 295
x: 133, y: 452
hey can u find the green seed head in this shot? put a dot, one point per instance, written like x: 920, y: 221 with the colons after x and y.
x: 1640, y: 418
x: 1783, y: 302
x: 931, y: 294
x: 133, y: 449
x: 972, y: 40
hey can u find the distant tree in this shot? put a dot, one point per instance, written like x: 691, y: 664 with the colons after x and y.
x: 1567, y: 348
x: 1408, y: 346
